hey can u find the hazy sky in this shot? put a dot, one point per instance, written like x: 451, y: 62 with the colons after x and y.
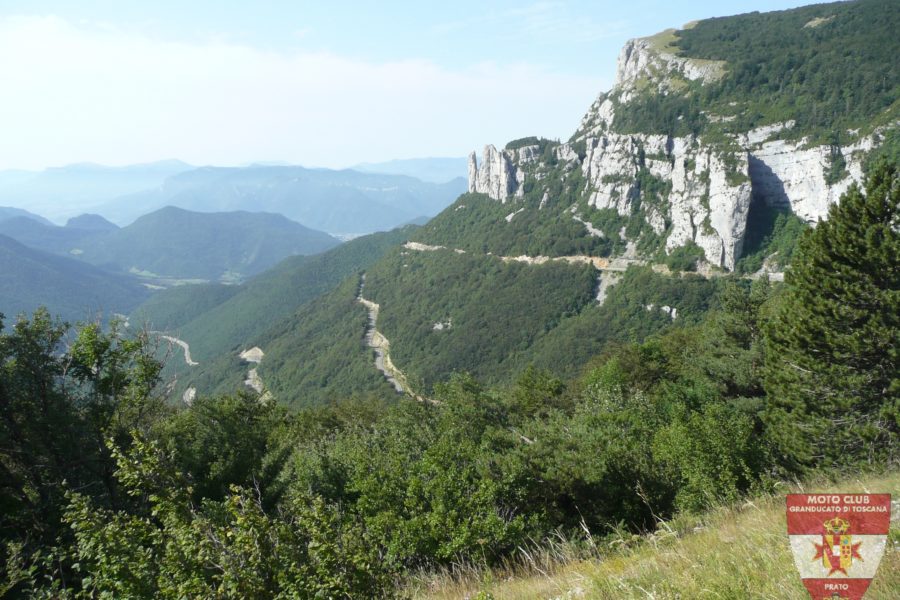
x: 318, y: 83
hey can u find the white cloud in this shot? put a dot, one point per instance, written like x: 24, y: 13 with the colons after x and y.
x: 86, y: 92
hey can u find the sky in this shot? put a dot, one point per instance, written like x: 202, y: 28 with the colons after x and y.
x: 324, y: 84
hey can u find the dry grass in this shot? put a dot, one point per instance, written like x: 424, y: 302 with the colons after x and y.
x: 733, y: 553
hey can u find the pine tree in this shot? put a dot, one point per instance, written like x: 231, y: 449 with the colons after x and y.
x: 832, y: 347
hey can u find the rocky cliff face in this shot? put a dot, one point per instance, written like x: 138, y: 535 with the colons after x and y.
x: 708, y: 187
x: 708, y: 194
x: 790, y: 174
x: 644, y: 62
x: 498, y: 176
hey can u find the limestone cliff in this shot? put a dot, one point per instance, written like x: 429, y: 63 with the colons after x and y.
x: 708, y: 186
x: 498, y: 176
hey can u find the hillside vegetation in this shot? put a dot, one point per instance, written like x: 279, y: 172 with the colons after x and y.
x: 492, y: 321
x: 500, y: 317
x: 71, y: 289
x: 170, y: 309
x: 317, y: 355
x: 478, y: 224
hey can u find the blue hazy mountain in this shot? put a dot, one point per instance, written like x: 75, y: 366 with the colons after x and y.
x: 36, y: 232
x: 435, y: 170
x: 175, y: 243
x: 8, y: 212
x: 91, y: 222
x: 345, y: 201
x: 63, y: 192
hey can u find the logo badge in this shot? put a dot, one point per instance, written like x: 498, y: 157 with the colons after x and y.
x: 838, y: 540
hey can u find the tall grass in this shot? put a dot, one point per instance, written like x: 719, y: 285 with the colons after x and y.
x: 737, y: 552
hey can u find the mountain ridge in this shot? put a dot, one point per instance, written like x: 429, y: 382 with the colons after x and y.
x: 63, y: 192
x: 339, y: 202
x: 174, y: 242
x: 433, y: 169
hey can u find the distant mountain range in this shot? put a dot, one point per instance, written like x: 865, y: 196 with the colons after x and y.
x: 342, y: 202
x: 334, y: 201
x: 175, y: 243
x: 8, y: 212
x: 183, y: 224
x: 435, y: 170
x: 62, y: 192
x: 41, y: 234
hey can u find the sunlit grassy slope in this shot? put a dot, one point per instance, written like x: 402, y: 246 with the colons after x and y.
x: 738, y: 553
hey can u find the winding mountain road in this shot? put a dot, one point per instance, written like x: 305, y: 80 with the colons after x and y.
x: 615, y: 265
x: 376, y: 340
x: 184, y: 346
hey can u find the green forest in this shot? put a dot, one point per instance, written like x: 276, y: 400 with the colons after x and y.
x: 829, y: 67
x: 107, y: 491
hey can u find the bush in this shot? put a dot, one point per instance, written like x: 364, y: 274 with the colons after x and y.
x: 685, y: 258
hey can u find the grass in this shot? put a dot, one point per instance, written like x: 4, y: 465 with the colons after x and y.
x: 664, y: 41
x: 731, y: 553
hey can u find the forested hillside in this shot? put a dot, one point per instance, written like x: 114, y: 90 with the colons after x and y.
x: 73, y: 290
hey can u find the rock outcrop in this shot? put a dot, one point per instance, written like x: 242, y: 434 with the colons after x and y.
x: 497, y: 176
x: 646, y: 61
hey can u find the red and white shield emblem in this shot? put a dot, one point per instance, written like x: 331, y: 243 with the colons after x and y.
x: 838, y: 541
